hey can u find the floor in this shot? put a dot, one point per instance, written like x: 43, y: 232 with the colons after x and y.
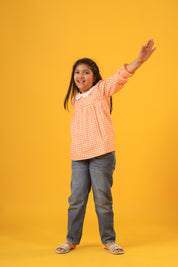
x: 32, y: 242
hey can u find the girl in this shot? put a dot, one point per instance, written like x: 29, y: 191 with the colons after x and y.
x: 92, y: 149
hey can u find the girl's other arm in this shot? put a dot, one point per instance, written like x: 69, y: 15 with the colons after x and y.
x: 144, y: 54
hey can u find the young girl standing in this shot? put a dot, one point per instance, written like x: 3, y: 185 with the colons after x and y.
x: 92, y: 149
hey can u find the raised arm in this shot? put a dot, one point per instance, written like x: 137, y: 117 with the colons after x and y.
x: 117, y: 81
x: 144, y: 54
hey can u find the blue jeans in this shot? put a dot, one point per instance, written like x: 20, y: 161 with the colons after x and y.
x: 97, y: 173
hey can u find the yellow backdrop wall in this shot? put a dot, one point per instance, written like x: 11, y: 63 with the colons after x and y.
x: 40, y: 41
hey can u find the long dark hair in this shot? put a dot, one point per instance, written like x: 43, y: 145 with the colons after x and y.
x: 73, y: 88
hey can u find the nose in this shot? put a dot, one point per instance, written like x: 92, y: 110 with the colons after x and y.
x: 80, y: 75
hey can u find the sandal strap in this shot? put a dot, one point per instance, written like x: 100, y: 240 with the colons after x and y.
x: 114, y: 247
x: 64, y: 246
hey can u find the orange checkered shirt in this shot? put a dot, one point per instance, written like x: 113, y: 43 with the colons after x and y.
x: 92, y: 130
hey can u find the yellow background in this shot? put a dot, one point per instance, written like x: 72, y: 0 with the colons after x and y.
x: 40, y: 41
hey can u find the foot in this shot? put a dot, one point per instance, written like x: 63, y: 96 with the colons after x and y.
x: 62, y: 250
x: 115, y: 251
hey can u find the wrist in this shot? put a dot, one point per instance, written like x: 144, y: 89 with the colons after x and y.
x: 139, y: 61
x: 132, y: 67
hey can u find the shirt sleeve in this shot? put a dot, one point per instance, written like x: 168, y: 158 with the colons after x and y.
x: 114, y: 83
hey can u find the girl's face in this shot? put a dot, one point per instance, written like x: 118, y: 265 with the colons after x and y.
x: 83, y: 77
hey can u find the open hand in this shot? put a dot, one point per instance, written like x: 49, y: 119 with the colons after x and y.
x: 146, y: 50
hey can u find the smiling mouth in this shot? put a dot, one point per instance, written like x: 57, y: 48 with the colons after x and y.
x: 81, y: 82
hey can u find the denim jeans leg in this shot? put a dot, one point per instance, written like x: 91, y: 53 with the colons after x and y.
x: 101, y: 172
x: 80, y: 188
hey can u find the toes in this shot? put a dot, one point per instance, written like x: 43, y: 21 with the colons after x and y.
x: 118, y: 250
x: 61, y: 249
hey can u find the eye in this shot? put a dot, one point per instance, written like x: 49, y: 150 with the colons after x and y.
x: 86, y: 72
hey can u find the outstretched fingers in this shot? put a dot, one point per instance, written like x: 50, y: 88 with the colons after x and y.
x: 149, y: 45
x: 147, y: 50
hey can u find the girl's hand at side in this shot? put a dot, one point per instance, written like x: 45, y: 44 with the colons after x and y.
x: 145, y: 52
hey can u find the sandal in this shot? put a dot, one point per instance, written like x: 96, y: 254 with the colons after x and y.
x: 64, y: 246
x: 113, y: 247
